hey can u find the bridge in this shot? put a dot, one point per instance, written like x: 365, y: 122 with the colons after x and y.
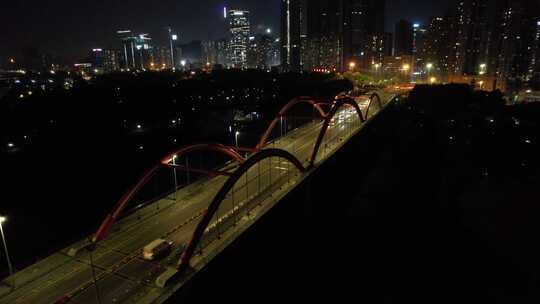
x: 208, y: 207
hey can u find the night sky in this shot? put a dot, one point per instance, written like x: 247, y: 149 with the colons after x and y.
x: 70, y: 28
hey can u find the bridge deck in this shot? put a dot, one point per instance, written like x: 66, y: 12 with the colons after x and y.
x: 121, y: 272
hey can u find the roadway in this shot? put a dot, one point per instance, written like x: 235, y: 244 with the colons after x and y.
x: 121, y: 273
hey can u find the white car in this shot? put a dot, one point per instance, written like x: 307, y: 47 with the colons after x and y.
x: 157, y: 249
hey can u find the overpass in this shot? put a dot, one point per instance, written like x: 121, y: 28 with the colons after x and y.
x: 201, y: 217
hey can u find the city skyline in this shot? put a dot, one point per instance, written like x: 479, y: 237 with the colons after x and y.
x: 69, y: 32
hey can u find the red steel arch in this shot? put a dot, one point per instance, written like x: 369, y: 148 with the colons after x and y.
x: 183, y: 263
x: 337, y: 105
x: 371, y: 99
x: 126, y: 198
x: 316, y: 104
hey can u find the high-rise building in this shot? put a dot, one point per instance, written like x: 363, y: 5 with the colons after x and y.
x: 128, y: 48
x: 419, y: 46
x: 438, y: 45
x: 513, y: 41
x: 97, y: 59
x: 534, y: 65
x: 144, y: 57
x: 334, y: 35
x: 471, y: 31
x: 222, y: 49
x: 260, y: 53
x: 293, y: 31
x: 161, y: 57
x: 209, y: 52
x: 388, y: 44
x: 363, y: 32
x: 192, y: 54
x: 111, y: 60
x: 240, y: 30
x: 403, y: 38
x: 324, y: 35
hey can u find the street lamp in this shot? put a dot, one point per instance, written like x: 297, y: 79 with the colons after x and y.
x: 175, y: 178
x: 172, y: 37
x: 481, y: 83
x: 429, y: 66
x: 483, y: 67
x: 432, y: 80
x: 377, y: 66
x: 406, y: 67
x: 352, y: 65
x: 10, y: 267
x: 236, y: 137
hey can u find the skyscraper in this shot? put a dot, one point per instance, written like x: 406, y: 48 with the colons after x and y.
x: 403, y: 38
x: 471, y: 30
x: 324, y: 35
x: 438, y: 45
x: 329, y: 35
x: 419, y: 47
x: 240, y: 30
x: 514, y: 46
x: 363, y: 32
x: 128, y: 48
x: 293, y: 29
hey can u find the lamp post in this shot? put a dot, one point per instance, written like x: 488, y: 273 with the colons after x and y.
x: 352, y: 65
x: 236, y: 137
x: 483, y: 67
x: 481, y: 83
x: 175, y: 179
x: 172, y: 37
x: 377, y: 67
x: 429, y: 66
x: 2, y: 220
x: 405, y: 68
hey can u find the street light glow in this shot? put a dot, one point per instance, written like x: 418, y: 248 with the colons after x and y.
x: 406, y: 67
x: 429, y: 66
x: 352, y: 65
x: 2, y: 219
x: 432, y: 80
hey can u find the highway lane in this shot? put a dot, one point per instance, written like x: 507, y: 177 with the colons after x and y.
x: 265, y: 178
x: 138, y: 267
x: 132, y: 271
